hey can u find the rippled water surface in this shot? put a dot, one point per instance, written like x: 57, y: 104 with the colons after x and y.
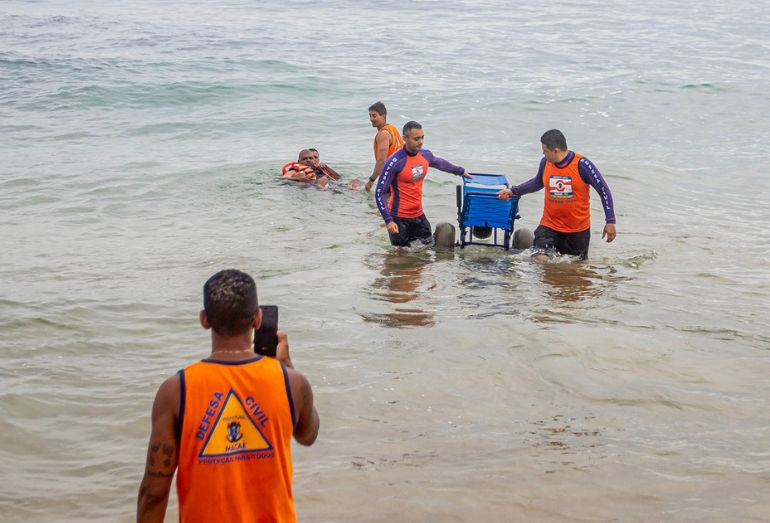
x: 140, y: 149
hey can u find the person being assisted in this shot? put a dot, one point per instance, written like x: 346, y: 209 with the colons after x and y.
x: 565, y: 227
x: 403, y: 175
x: 308, y: 168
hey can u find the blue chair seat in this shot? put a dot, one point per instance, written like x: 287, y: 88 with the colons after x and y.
x: 478, y: 206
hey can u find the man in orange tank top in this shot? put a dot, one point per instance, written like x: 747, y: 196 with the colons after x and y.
x: 565, y: 227
x: 386, y: 142
x: 225, y: 423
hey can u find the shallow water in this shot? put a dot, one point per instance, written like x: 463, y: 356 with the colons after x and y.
x: 139, y: 152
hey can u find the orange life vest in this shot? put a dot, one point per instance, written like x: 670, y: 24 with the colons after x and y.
x: 396, y: 142
x: 567, y: 198
x: 235, y: 442
x: 305, y: 170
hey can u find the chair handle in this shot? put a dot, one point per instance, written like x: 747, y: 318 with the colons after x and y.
x: 489, y: 195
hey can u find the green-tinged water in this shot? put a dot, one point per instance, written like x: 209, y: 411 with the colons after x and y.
x: 140, y: 146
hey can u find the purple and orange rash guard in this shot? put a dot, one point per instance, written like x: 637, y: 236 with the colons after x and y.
x: 404, y: 173
x: 588, y: 173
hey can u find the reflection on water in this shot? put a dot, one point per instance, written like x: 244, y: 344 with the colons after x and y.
x: 401, y: 282
x: 571, y: 281
x: 568, y: 283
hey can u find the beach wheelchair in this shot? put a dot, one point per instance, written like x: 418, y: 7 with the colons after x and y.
x: 482, y: 216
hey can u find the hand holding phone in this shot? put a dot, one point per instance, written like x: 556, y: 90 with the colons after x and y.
x: 266, y: 337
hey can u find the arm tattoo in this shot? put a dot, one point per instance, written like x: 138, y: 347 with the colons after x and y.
x: 161, y: 460
x: 153, y: 474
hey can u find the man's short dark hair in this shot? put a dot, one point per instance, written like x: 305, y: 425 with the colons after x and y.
x: 408, y: 126
x: 379, y: 108
x: 554, y: 139
x: 230, y: 302
x: 302, y: 152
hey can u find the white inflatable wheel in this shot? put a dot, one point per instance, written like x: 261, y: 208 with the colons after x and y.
x: 523, y: 238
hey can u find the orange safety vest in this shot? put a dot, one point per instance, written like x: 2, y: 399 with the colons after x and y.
x: 396, y: 142
x: 237, y: 420
x: 567, y: 206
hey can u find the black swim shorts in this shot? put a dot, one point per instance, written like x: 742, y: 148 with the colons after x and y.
x: 410, y: 229
x: 549, y: 242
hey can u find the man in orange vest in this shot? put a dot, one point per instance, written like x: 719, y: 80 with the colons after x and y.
x: 565, y: 227
x: 386, y: 142
x: 226, y: 422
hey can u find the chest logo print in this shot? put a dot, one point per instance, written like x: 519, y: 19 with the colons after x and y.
x: 417, y: 172
x: 560, y: 186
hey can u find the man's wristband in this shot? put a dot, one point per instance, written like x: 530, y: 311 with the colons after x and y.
x: 372, y: 178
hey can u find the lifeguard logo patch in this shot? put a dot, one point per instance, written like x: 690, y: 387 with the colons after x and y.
x: 417, y: 172
x: 234, y: 432
x: 560, y: 186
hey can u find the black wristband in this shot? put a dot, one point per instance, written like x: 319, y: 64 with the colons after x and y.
x: 372, y: 178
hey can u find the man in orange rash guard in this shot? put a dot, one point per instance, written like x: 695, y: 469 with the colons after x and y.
x: 404, y: 174
x: 386, y: 142
x: 565, y: 227
x: 227, y: 421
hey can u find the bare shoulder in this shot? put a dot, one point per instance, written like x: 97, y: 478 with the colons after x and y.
x: 301, y: 391
x: 167, y: 399
x: 382, y: 134
x: 307, y: 421
x: 297, y: 380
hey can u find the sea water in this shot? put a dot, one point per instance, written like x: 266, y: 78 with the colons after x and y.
x: 140, y: 151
